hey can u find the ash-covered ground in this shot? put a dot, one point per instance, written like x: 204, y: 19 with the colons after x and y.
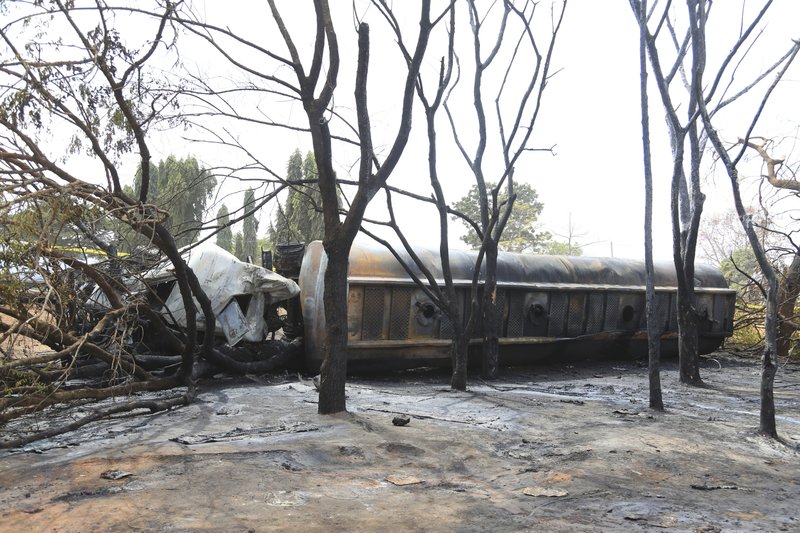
x: 548, y: 448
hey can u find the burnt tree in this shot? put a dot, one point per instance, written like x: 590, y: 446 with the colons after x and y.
x: 516, y: 107
x: 316, y: 92
x: 516, y: 110
x: 304, y: 68
x: 689, y: 135
x: 653, y: 327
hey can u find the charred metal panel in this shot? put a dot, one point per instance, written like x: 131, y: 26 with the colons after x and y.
x: 722, y: 321
x: 517, y: 314
x: 577, y: 314
x: 400, y: 313
x: 478, y: 327
x: 374, y: 312
x: 704, y: 304
x: 424, y: 317
x: 559, y: 302
x: 612, y: 311
x: 595, y: 313
x: 502, y: 312
x: 535, y: 315
x: 631, y: 311
x: 445, y: 327
x: 288, y: 258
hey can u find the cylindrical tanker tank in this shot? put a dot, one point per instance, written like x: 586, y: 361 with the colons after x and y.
x: 551, y: 307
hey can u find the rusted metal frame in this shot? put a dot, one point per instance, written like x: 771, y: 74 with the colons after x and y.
x: 354, y: 281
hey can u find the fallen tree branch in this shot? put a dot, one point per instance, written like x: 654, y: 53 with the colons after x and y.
x: 153, y: 405
x: 41, y: 401
x: 55, y: 338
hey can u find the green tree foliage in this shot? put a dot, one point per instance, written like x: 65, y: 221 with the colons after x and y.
x: 182, y: 188
x: 724, y: 244
x: 238, y: 246
x: 67, y: 222
x: 225, y: 235
x: 522, y: 233
x: 249, y: 227
x: 300, y: 218
x: 739, y: 268
x: 741, y: 260
x: 561, y: 248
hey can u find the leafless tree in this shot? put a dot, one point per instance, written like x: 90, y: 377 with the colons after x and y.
x: 781, y: 176
x: 525, y: 57
x: 767, y: 424
x: 653, y: 326
x: 703, y: 101
x: 314, y: 84
x: 686, y: 208
x: 521, y: 61
x: 725, y: 242
x: 689, y: 65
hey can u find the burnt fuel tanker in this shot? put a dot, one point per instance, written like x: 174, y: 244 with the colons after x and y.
x: 552, y: 308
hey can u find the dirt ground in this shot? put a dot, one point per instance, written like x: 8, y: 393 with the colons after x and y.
x: 548, y: 448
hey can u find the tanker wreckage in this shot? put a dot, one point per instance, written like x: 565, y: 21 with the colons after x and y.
x: 552, y: 307
x: 248, y: 301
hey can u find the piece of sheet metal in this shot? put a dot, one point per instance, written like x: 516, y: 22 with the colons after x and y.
x: 233, y: 323
x: 224, y: 277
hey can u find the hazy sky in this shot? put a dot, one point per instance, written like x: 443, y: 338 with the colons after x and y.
x: 598, y: 174
x: 591, y: 115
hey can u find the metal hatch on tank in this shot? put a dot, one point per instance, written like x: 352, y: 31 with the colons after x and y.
x: 552, y: 308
